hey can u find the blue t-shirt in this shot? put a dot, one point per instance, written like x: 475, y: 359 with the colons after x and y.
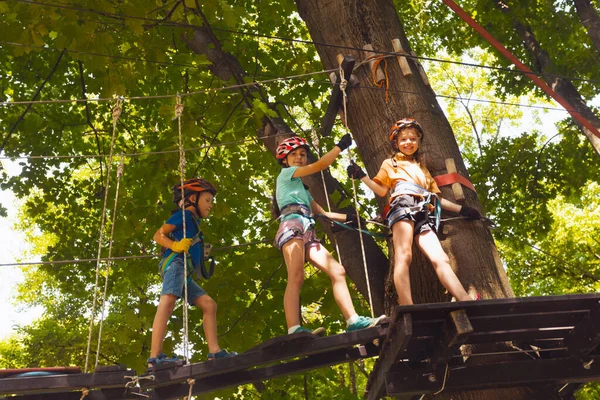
x: 192, y: 224
x: 291, y: 191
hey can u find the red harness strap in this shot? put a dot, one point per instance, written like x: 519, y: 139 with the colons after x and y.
x: 449, y: 179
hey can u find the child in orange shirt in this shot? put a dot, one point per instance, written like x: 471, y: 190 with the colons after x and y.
x: 412, y: 190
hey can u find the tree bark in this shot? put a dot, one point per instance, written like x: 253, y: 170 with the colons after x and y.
x: 469, y: 245
x: 564, y: 87
x: 226, y: 66
x: 590, y: 19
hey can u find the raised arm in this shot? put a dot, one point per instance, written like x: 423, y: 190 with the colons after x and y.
x: 356, y: 172
x: 325, y: 161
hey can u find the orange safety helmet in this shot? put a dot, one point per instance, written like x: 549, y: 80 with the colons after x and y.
x: 191, y: 186
x: 401, y: 124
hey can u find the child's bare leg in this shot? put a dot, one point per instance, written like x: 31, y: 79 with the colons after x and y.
x: 293, y: 254
x: 166, y: 304
x: 402, y: 238
x: 209, y: 321
x: 322, y: 259
x: 431, y: 247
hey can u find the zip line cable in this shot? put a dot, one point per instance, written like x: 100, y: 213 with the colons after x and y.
x: 286, y: 39
x: 284, y: 78
x: 123, y: 258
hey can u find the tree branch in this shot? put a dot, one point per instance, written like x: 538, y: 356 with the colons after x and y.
x: 37, y: 93
x: 590, y: 20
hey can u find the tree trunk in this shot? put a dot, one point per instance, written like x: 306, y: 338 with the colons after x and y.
x: 590, y: 19
x: 226, y: 66
x: 469, y: 245
x: 564, y: 87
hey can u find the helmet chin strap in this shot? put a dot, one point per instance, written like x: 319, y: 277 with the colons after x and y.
x: 186, y: 203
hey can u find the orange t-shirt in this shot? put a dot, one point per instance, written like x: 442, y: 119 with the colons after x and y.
x: 405, y: 170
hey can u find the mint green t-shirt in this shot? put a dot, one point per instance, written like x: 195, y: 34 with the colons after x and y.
x: 291, y: 191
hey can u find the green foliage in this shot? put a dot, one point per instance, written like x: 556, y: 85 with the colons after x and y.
x: 538, y: 189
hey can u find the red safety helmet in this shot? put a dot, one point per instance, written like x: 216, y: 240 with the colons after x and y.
x: 289, y: 145
x: 191, y: 186
x: 401, y: 124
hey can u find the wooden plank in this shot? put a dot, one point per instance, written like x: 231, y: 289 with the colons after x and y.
x: 335, y: 101
x: 257, y: 358
x: 456, y: 331
x: 286, y: 341
x: 398, y: 337
x: 260, y: 374
x: 459, y: 194
x: 106, y: 394
x: 404, y: 66
x: 496, y: 307
x: 65, y: 382
x: 56, y: 370
x: 585, y: 336
x: 494, y: 375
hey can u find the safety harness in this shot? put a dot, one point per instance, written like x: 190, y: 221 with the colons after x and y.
x: 200, y: 270
x: 296, y: 208
x: 429, y: 203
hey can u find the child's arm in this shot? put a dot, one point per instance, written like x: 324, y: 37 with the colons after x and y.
x: 326, y: 160
x: 317, y: 209
x: 465, y: 211
x: 161, y: 237
x: 356, y: 172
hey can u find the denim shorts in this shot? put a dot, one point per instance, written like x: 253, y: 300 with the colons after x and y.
x: 173, y: 282
x: 295, y: 228
x: 422, y: 222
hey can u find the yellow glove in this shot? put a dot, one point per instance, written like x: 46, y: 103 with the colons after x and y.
x: 182, y: 246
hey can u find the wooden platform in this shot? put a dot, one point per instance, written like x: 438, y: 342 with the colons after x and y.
x: 64, y: 384
x: 551, y: 340
x: 423, y: 349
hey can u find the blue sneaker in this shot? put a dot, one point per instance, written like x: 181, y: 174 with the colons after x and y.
x: 320, y: 331
x: 363, y: 323
x: 221, y: 354
x: 161, y: 358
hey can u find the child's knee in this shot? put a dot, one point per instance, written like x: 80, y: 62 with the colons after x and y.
x: 337, y: 273
x: 207, y: 304
x: 296, y: 278
x: 403, y: 258
x: 167, y: 301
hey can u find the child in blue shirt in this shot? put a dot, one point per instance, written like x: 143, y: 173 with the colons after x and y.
x: 296, y: 235
x: 197, y: 202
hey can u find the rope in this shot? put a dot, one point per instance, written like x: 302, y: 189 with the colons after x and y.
x: 178, y: 112
x: 135, y: 383
x: 379, y: 84
x: 126, y: 257
x: 343, y: 84
x: 285, y: 39
x: 191, y: 382
x: 315, y: 139
x: 167, y: 96
x: 443, y: 383
x: 116, y: 113
x: 110, y: 245
x: 84, y: 393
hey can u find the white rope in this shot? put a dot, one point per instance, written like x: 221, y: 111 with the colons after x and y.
x: 315, y: 139
x: 116, y: 113
x: 108, y: 265
x: 343, y: 84
x: 443, y: 383
x: 178, y: 112
x: 191, y: 382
